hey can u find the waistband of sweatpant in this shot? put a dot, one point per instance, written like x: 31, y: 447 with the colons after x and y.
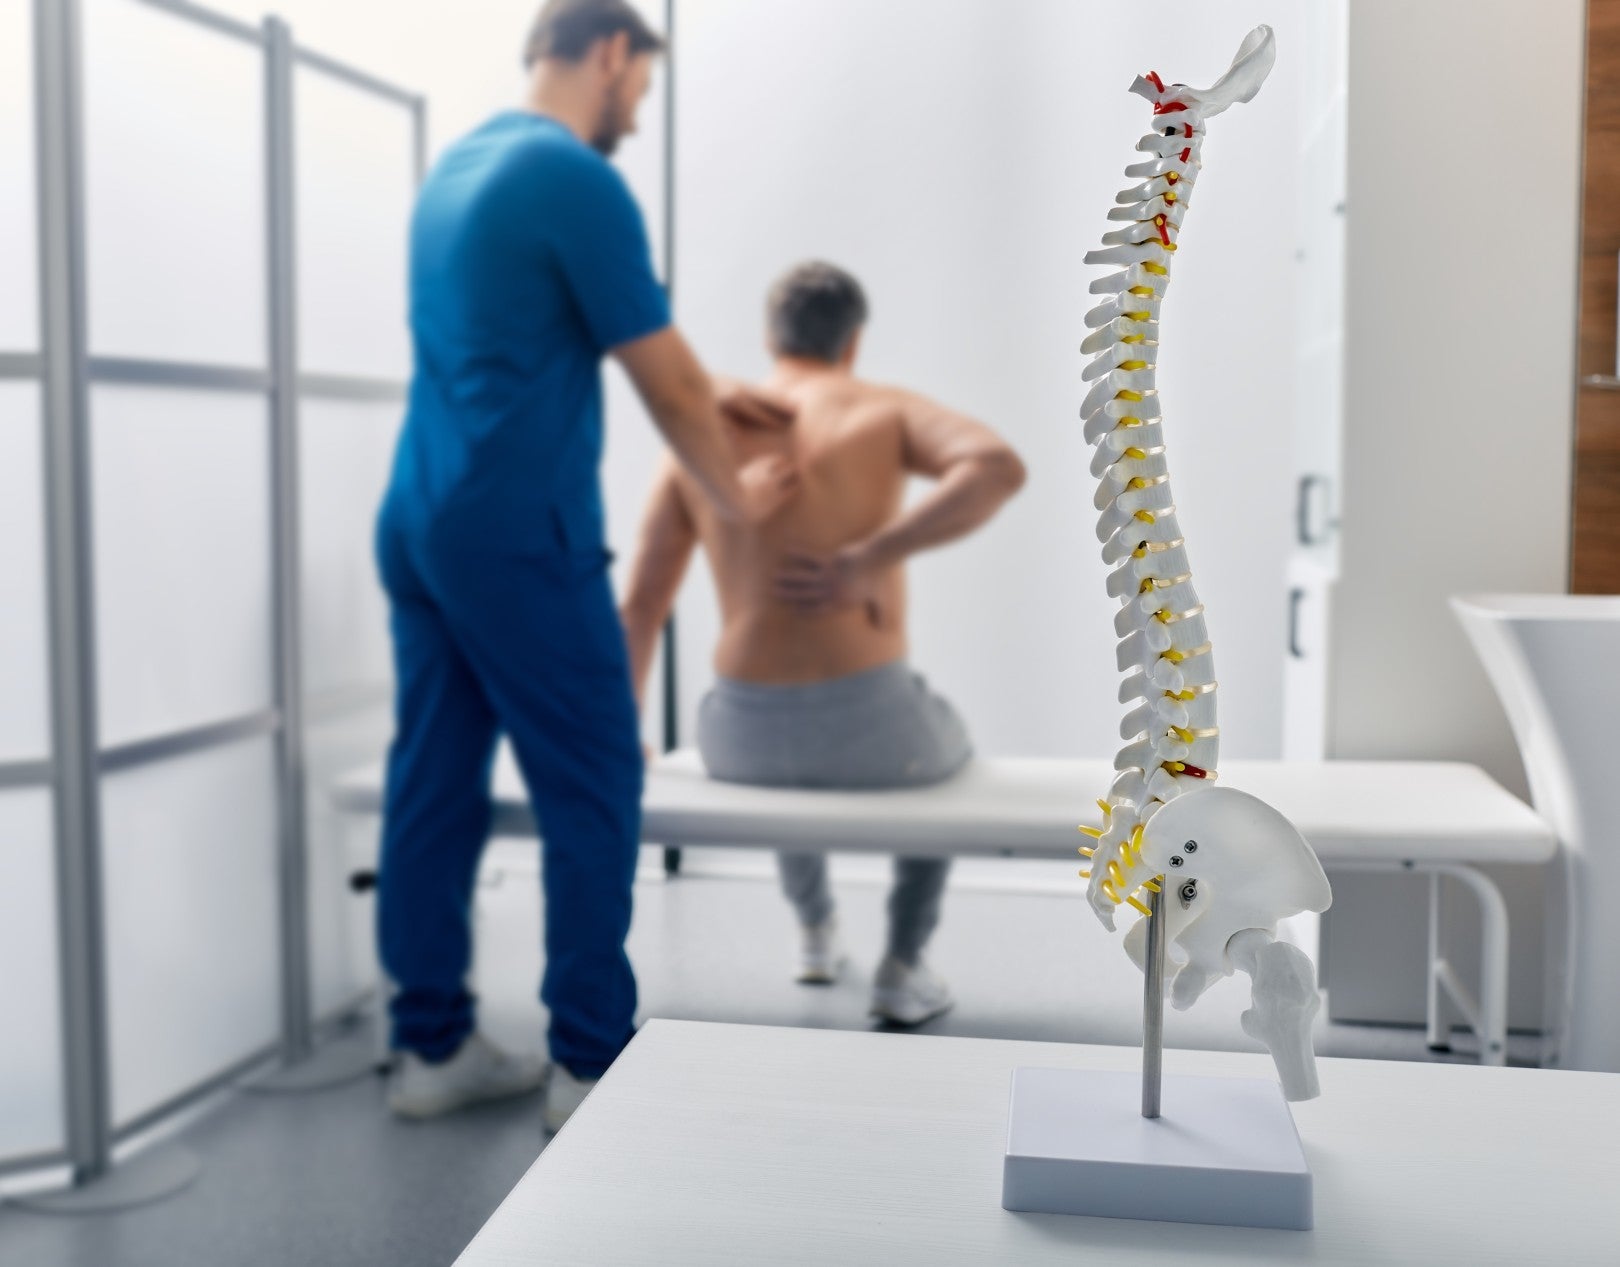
x: 893, y: 676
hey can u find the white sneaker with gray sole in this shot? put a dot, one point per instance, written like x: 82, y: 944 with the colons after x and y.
x: 820, y: 955
x: 908, y: 995
x: 478, y: 1071
x: 564, y: 1094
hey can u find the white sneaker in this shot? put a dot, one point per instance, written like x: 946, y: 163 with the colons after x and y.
x: 564, y: 1094
x: 478, y: 1071
x: 909, y: 995
x: 820, y: 955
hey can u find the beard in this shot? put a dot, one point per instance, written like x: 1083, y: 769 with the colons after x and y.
x: 605, y: 140
x: 613, y: 122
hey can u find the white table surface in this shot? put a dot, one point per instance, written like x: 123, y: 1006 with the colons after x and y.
x: 736, y: 1144
x: 1364, y: 811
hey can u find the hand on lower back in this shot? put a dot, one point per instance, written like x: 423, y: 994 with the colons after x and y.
x: 824, y: 582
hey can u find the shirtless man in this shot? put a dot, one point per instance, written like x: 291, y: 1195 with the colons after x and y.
x: 813, y: 688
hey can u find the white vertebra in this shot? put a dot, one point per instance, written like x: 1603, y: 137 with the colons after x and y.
x: 1230, y: 867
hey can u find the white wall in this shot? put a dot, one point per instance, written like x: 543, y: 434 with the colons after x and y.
x: 961, y: 159
x: 1460, y: 380
x: 1460, y: 350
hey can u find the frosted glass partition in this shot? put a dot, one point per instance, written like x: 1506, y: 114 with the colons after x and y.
x: 175, y: 216
x: 19, y: 301
x: 343, y: 961
x: 355, y: 181
x: 30, y: 1055
x: 182, y: 551
x: 24, y: 707
x: 345, y: 451
x: 189, y: 849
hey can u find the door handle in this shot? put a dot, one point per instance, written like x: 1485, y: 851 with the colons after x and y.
x: 1303, y: 530
x: 1296, y: 595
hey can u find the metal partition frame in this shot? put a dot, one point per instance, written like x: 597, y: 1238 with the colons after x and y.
x: 65, y: 370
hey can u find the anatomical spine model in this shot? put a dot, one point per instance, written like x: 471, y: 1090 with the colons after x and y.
x: 1224, y: 866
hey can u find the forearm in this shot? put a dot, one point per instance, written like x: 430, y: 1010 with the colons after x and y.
x: 642, y: 628
x: 967, y: 495
x: 662, y: 553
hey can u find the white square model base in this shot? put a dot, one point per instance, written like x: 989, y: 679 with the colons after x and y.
x: 1225, y: 1151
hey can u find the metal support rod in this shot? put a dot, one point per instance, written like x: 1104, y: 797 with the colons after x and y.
x: 671, y: 693
x: 279, y: 55
x: 1439, y: 1034
x: 419, y: 142
x: 669, y: 151
x: 65, y: 395
x: 1153, y: 1005
x: 1493, y: 972
x: 20, y: 365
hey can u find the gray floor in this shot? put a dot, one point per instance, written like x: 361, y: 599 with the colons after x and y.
x: 328, y: 1177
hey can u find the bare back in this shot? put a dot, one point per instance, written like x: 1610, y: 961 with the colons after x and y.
x: 849, y: 445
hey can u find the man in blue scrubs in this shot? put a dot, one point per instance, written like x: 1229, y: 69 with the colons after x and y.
x: 529, y: 262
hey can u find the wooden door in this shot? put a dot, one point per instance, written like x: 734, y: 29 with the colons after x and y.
x: 1595, y: 552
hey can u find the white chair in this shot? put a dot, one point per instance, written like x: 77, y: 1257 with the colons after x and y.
x: 1555, y: 662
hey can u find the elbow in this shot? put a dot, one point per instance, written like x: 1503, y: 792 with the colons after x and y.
x: 1005, y: 470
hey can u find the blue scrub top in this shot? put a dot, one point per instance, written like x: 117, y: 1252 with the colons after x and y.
x: 528, y: 261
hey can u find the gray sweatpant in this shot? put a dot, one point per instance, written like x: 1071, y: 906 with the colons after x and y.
x: 878, y: 729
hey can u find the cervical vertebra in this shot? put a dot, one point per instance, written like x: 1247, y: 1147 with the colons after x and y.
x: 1228, y: 865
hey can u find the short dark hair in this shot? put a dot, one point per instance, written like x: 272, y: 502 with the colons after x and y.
x: 566, y: 29
x: 814, y: 310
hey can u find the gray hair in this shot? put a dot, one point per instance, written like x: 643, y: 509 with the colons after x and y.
x: 814, y: 310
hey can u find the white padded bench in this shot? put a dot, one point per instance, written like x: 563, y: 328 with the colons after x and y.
x: 1440, y: 818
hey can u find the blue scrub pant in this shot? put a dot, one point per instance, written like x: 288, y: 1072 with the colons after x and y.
x: 529, y: 645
